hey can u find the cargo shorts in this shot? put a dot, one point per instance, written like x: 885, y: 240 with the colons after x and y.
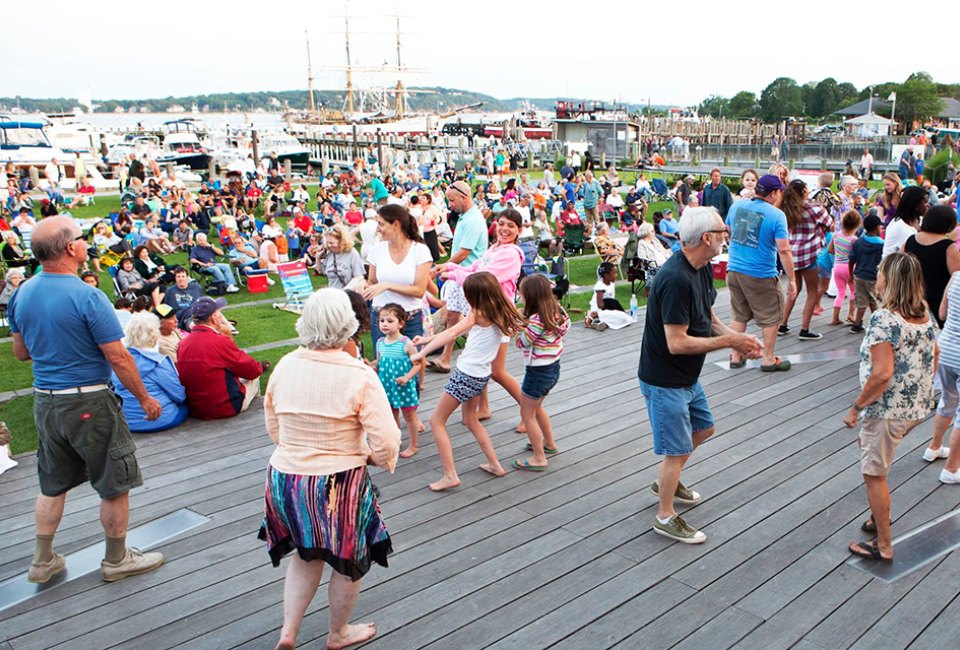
x: 84, y: 437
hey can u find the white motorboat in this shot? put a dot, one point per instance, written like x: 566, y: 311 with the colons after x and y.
x: 181, y: 145
x: 285, y: 146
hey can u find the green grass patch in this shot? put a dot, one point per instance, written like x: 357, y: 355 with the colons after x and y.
x: 15, y: 374
x: 18, y: 414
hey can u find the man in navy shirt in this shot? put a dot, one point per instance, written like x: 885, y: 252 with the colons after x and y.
x: 69, y: 330
x: 204, y: 254
x: 681, y: 328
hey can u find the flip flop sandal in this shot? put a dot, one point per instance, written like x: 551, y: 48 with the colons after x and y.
x: 868, y: 551
x: 546, y: 450
x: 777, y: 365
x: 870, y: 526
x: 527, y: 467
x: 737, y: 365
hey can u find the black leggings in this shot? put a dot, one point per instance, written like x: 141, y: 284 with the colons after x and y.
x: 430, y: 239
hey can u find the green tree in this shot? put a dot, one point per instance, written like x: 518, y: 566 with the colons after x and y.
x: 825, y: 99
x: 917, y: 99
x: 742, y: 105
x: 781, y: 99
x: 714, y: 106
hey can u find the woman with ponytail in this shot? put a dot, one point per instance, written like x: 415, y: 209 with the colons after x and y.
x: 399, y: 269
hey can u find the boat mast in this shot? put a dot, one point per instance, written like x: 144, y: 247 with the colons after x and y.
x: 313, y: 105
x: 346, y: 36
x: 400, y: 99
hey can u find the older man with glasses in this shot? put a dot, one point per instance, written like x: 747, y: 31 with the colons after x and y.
x: 70, y: 331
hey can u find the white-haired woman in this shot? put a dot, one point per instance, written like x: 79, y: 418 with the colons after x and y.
x: 142, y: 338
x: 649, y: 247
x: 342, y: 263
x: 329, y: 417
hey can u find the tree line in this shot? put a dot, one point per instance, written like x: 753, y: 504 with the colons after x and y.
x: 918, y: 99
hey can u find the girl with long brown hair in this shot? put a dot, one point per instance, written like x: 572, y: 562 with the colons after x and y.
x: 542, y: 344
x: 491, y: 317
x: 808, y: 223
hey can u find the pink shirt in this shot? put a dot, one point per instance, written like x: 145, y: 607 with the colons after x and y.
x: 503, y: 261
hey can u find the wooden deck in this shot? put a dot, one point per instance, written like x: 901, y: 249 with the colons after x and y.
x: 563, y: 559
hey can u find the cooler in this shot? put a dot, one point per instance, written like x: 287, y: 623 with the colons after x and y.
x: 257, y: 283
x: 720, y: 267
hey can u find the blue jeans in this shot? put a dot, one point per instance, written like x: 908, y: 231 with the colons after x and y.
x: 675, y: 413
x: 221, y: 273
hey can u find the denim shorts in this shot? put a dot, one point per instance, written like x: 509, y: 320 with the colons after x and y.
x: 824, y: 272
x: 540, y: 380
x: 675, y: 413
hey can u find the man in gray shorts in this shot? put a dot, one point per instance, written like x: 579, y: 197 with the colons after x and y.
x: 71, y: 333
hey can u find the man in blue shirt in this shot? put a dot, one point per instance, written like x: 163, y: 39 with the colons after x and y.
x: 716, y: 195
x: 592, y: 190
x: 69, y: 330
x: 758, y: 233
x: 470, y: 240
x: 204, y: 254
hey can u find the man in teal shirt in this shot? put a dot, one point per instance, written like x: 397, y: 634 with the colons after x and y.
x: 469, y: 243
x: 592, y: 190
x: 380, y: 193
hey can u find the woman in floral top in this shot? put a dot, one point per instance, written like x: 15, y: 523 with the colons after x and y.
x: 898, y: 359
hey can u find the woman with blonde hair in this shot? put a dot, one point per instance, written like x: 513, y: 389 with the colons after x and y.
x: 901, y: 336
x: 342, y: 262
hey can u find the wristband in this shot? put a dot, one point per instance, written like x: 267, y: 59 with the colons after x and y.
x: 857, y: 407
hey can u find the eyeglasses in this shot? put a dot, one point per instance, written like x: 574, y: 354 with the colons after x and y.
x: 79, y: 237
x: 454, y: 187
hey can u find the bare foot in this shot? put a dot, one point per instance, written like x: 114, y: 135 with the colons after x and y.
x: 421, y: 427
x: 484, y: 416
x: 409, y: 452
x: 286, y: 643
x: 445, y: 484
x: 834, y: 322
x: 496, y: 470
x: 521, y: 428
x: 353, y: 635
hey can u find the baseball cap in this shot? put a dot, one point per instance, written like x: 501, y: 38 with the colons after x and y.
x: 163, y: 311
x: 769, y: 183
x: 205, y: 307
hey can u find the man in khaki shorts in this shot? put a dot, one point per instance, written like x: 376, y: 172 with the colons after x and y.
x: 758, y: 233
x: 71, y: 333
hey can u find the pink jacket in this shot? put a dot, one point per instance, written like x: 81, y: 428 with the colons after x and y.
x: 503, y: 262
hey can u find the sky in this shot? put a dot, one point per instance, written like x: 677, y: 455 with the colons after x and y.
x: 663, y: 53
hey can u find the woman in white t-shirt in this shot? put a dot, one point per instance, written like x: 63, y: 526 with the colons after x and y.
x: 399, y: 269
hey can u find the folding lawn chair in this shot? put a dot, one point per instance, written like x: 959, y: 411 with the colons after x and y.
x: 660, y: 190
x: 573, y: 239
x: 296, y: 286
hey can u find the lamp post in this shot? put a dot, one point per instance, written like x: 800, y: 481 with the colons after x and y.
x: 893, y: 113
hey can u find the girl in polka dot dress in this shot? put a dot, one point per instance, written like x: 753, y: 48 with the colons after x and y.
x: 397, y: 372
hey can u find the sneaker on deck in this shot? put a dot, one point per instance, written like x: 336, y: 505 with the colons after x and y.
x: 682, y: 494
x: 949, y: 477
x: 41, y: 572
x: 931, y: 455
x: 679, y: 530
x: 134, y: 563
x: 808, y: 335
x: 783, y: 330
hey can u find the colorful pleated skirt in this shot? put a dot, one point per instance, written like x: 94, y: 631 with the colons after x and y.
x: 332, y: 518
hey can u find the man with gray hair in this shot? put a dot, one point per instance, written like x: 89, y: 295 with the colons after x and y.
x: 681, y: 328
x: 69, y: 329
x: 204, y: 255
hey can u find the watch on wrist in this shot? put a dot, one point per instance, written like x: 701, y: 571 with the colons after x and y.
x: 857, y: 407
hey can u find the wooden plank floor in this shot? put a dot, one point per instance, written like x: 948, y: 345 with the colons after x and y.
x: 563, y: 559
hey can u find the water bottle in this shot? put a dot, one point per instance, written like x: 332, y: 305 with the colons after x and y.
x: 633, y: 306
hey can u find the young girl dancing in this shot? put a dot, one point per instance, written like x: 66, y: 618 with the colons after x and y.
x: 840, y: 246
x: 398, y: 372
x: 491, y: 318
x: 542, y: 343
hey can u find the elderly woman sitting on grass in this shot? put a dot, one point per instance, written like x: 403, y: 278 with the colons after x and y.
x: 142, y: 338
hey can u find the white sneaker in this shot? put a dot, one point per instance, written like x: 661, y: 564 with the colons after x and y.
x: 233, y: 288
x: 931, y: 455
x: 949, y: 477
x: 270, y: 282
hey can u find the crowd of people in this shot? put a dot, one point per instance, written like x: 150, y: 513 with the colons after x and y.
x: 894, y: 253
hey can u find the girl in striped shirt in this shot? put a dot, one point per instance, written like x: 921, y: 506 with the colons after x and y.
x: 840, y: 246
x: 542, y: 344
